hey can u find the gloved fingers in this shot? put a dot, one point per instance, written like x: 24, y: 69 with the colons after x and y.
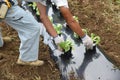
x: 57, y: 52
x: 58, y: 39
x: 87, y: 41
x: 89, y: 45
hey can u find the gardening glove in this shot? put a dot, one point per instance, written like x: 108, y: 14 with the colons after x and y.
x: 58, y: 40
x: 57, y: 52
x: 87, y: 41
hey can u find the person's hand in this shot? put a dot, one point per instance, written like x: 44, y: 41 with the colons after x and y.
x: 87, y: 41
x: 58, y: 40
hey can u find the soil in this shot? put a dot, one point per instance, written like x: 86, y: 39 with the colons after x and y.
x: 101, y: 17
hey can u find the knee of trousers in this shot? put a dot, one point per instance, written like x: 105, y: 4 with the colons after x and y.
x: 44, y: 33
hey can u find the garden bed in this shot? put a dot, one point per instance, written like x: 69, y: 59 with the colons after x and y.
x: 101, y: 18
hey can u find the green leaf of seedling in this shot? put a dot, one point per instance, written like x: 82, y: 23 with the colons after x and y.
x: 85, y: 31
x: 37, y: 11
x: 34, y: 7
x: 76, y: 35
x: 66, y: 45
x: 76, y: 18
x: 95, y: 38
x: 58, y: 28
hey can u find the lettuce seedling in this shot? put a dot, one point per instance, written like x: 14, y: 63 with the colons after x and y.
x: 76, y: 18
x: 95, y: 38
x: 85, y: 31
x: 66, y: 45
x: 34, y: 7
x: 77, y: 36
x: 58, y: 28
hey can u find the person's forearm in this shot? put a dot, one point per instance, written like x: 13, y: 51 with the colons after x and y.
x: 45, y: 20
x: 74, y: 25
x: 49, y: 26
x: 76, y: 28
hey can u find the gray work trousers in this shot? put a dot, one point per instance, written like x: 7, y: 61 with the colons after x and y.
x: 29, y: 31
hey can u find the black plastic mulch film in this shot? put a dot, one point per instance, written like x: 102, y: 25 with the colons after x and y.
x: 81, y: 64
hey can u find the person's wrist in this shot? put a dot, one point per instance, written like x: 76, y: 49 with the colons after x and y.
x: 55, y: 37
x: 83, y: 37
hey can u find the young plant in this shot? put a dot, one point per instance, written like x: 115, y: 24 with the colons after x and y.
x: 76, y: 18
x: 34, y: 7
x: 95, y: 38
x: 85, y: 31
x: 66, y: 45
x: 58, y: 28
x: 77, y: 36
